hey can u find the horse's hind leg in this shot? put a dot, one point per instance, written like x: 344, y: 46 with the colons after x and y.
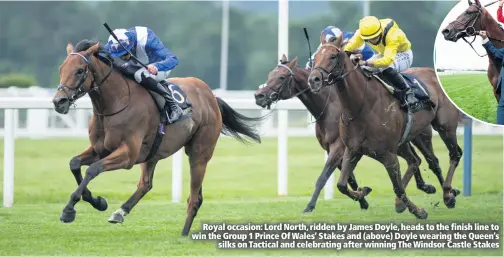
x: 87, y: 158
x: 413, y: 160
x: 143, y: 187
x: 200, y: 151
x: 336, y: 151
x: 424, y: 144
x: 391, y: 163
x: 449, y: 137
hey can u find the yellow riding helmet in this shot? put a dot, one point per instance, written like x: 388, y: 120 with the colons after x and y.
x: 369, y: 27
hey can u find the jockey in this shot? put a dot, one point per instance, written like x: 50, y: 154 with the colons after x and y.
x: 334, y: 32
x: 148, y: 49
x: 394, y: 52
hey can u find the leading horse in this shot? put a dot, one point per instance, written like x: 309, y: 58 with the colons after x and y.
x: 288, y: 80
x: 476, y: 18
x: 372, y: 121
x: 126, y: 124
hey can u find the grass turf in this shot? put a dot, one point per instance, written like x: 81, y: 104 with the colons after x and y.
x: 240, y: 186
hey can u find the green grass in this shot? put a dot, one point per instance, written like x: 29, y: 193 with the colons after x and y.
x: 240, y: 186
x: 473, y: 94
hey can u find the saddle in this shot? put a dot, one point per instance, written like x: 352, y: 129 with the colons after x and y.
x: 420, y: 90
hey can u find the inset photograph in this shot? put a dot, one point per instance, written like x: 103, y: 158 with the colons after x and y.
x: 468, y: 56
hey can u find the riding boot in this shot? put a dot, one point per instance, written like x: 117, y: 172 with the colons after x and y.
x: 399, y: 83
x: 153, y: 85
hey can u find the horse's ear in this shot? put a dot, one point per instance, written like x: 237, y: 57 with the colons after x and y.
x: 322, y: 38
x: 339, y: 41
x: 284, y: 58
x: 69, y: 47
x: 469, y: 2
x: 93, y: 49
x: 293, y: 63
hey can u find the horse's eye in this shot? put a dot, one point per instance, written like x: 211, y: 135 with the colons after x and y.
x: 80, y: 71
x: 333, y: 57
x: 282, y: 77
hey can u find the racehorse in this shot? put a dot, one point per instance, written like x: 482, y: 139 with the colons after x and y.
x: 372, y: 121
x: 125, y: 128
x: 288, y: 81
x: 476, y: 18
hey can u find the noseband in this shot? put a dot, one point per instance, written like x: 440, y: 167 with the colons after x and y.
x: 332, y: 77
x: 80, y: 90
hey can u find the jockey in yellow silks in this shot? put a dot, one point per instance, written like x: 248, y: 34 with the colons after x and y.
x: 393, y: 49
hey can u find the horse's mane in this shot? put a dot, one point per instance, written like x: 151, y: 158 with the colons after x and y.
x: 85, y: 44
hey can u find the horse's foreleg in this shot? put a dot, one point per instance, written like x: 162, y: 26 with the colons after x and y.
x: 87, y: 158
x: 333, y: 161
x: 143, y: 187
x: 391, y: 163
x: 350, y: 160
x: 119, y: 159
x: 455, y: 152
x: 413, y: 160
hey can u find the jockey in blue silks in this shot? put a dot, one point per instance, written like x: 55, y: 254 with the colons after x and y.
x: 333, y: 32
x: 148, y: 49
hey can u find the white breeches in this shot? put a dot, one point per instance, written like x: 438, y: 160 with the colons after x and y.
x: 403, y: 61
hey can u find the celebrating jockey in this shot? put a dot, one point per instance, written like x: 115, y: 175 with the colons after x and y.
x: 394, y: 52
x: 334, y: 32
x: 148, y: 49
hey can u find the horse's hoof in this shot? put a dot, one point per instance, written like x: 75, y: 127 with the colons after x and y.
x: 428, y: 189
x: 101, y: 204
x: 450, y: 202
x: 117, y: 217
x: 365, y: 190
x: 455, y: 192
x: 363, y: 204
x: 68, y: 216
x: 309, y: 208
x: 421, y: 213
x: 400, y: 207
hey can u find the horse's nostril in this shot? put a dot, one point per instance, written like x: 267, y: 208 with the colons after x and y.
x: 260, y: 96
x: 445, y: 31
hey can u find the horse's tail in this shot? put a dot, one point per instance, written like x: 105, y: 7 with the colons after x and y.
x: 234, y: 123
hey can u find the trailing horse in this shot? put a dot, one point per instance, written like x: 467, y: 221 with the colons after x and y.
x: 373, y: 123
x: 126, y: 127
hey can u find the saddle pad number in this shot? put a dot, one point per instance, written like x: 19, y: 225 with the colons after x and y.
x: 179, y: 98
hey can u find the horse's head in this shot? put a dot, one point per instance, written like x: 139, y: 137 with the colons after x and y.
x: 75, y: 76
x: 467, y: 24
x: 328, y: 62
x: 279, y: 85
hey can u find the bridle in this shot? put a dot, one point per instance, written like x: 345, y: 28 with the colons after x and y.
x: 470, y: 31
x: 331, y: 77
x: 80, y: 90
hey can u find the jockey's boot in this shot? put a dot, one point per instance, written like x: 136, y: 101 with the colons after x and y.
x: 399, y: 83
x: 153, y: 85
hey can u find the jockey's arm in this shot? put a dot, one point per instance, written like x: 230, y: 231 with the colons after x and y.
x: 497, y: 53
x: 354, y: 43
x: 157, y: 48
x: 393, y: 42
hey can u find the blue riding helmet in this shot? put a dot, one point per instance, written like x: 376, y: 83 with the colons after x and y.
x: 125, y: 38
